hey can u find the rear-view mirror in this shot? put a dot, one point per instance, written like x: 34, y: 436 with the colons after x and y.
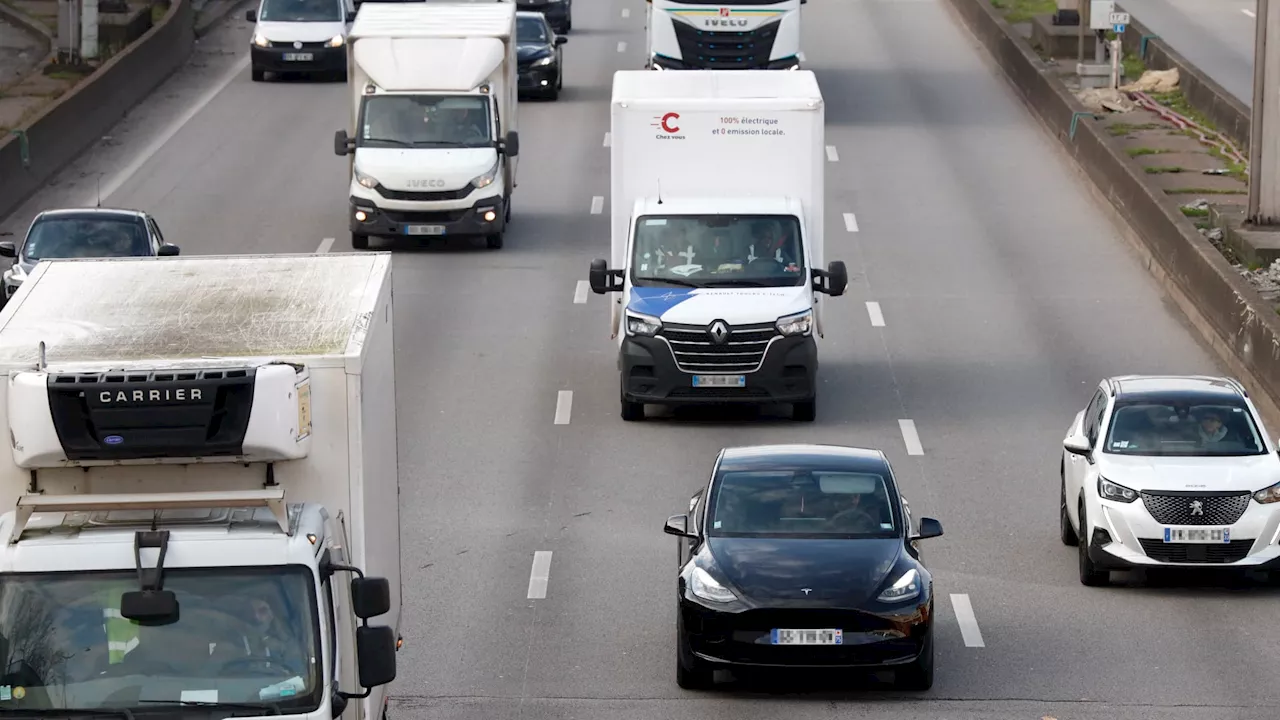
x: 929, y: 528
x: 375, y: 655
x: 1077, y: 444
x: 251, y: 15
x: 370, y: 597
x: 8, y: 249
x: 561, y: 40
x: 513, y: 144
x: 341, y: 144
x: 677, y: 525
x: 598, y: 277
x: 168, y: 250
x: 351, y: 16
x: 837, y: 278
x: 150, y: 607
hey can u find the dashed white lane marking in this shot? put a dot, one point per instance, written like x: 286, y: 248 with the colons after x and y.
x: 539, y: 574
x: 800, y: 56
x: 1250, y: 13
x: 564, y: 406
x: 911, y: 437
x: 597, y: 204
x: 580, y: 292
x: 622, y: 47
x: 968, y: 623
x: 873, y: 312
x: 325, y: 245
x: 832, y: 155
x: 626, y: 12
x: 107, y: 189
x: 608, y: 139
x: 850, y: 222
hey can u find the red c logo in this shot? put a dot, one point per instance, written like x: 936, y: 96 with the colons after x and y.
x: 666, y: 122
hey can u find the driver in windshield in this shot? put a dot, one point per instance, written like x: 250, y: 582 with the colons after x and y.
x: 469, y: 126
x: 1212, y: 430
x: 267, y: 643
x: 853, y: 517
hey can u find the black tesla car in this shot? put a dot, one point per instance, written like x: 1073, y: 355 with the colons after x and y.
x: 802, y: 556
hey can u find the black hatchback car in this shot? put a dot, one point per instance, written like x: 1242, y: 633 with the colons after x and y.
x: 539, y: 58
x: 83, y: 233
x: 802, y: 556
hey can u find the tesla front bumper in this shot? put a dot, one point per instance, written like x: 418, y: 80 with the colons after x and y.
x: 1127, y: 535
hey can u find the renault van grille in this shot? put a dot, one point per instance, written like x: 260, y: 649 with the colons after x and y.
x: 696, y: 351
x: 726, y: 50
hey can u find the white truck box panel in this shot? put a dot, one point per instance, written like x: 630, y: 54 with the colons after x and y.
x: 443, y: 64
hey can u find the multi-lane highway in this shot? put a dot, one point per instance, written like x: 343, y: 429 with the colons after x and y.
x: 1216, y: 36
x: 989, y: 292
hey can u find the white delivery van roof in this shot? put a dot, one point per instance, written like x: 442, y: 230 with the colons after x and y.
x: 434, y: 20
x: 193, y: 308
x: 450, y: 47
x: 778, y: 89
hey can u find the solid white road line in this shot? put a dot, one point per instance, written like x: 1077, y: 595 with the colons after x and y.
x: 626, y: 12
x: 564, y: 406
x: 539, y: 575
x: 850, y: 222
x: 622, y: 47
x: 877, y: 317
x: 597, y: 204
x: 911, y: 437
x: 1250, y: 13
x: 325, y: 245
x: 608, y: 139
x: 106, y: 189
x: 968, y: 623
x: 832, y: 155
x: 580, y: 292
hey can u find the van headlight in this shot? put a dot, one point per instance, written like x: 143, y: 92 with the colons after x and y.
x: 643, y: 325
x: 800, y: 323
x: 336, y: 41
x: 366, y: 180
x: 261, y: 40
x: 487, y: 178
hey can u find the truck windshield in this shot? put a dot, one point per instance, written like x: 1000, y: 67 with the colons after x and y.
x: 718, y: 251
x: 244, y: 635
x: 735, y: 3
x: 425, y: 121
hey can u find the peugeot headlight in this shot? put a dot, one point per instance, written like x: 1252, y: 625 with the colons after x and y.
x: 544, y: 61
x: 799, y: 324
x: 1108, y: 490
x: 645, y: 325
x: 487, y: 178
x: 1268, y: 495
x: 365, y: 180
x: 261, y: 40
x: 906, y: 588
x: 706, y: 587
x: 336, y: 41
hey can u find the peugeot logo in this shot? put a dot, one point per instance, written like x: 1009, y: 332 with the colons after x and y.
x: 1197, y: 507
x: 719, y: 332
x: 806, y: 591
x: 297, y: 45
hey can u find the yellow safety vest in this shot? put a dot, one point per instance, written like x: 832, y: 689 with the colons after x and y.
x: 122, y: 633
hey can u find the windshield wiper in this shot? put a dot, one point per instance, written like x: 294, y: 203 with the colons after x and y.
x: 273, y: 708
x: 393, y: 141
x: 670, y: 281
x: 737, y: 283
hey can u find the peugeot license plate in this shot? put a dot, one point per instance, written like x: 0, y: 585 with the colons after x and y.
x: 1206, y: 536
x: 423, y: 229
x: 719, y: 380
x: 297, y: 57
x: 807, y: 637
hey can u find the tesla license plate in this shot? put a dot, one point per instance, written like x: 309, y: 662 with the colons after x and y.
x: 297, y: 57
x: 1204, y: 536
x: 808, y: 637
x: 423, y: 229
x: 719, y: 380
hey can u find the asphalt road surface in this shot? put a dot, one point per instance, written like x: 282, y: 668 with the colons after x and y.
x: 1216, y: 36
x: 1005, y: 292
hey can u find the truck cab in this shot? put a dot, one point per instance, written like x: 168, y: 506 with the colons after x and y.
x: 738, y: 35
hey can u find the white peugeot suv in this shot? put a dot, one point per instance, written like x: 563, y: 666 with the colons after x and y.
x: 1163, y: 471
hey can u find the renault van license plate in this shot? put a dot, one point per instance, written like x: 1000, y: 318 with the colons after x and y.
x: 297, y: 57
x: 719, y: 380
x: 423, y: 229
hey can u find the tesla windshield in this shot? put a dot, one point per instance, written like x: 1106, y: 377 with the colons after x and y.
x: 392, y: 121
x: 718, y: 251
x: 801, y: 504
x: 242, y: 636
x: 1184, y: 427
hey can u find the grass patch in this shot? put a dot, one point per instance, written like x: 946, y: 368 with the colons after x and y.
x: 1160, y: 169
x: 1234, y: 169
x: 1195, y: 212
x: 1174, y: 100
x: 1121, y: 128
x: 1139, y: 151
x: 70, y: 75
x: 1016, y: 11
x: 158, y: 10
x: 1204, y: 191
x: 1133, y: 66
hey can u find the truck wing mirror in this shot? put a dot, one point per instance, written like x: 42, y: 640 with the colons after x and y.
x: 150, y: 607
x: 342, y: 145
x: 512, y: 146
x: 370, y: 597
x: 375, y: 655
x: 833, y: 280
x: 602, y: 279
x: 8, y: 249
x: 251, y: 15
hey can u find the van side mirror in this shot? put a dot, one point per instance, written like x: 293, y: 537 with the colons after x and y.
x: 375, y: 655
x: 560, y: 40
x: 351, y: 16
x: 342, y: 145
x: 168, y: 250
x: 251, y: 15
x: 602, y: 279
x: 833, y: 280
x: 512, y: 145
x: 8, y: 249
x: 370, y: 597
x: 677, y: 525
x: 929, y: 528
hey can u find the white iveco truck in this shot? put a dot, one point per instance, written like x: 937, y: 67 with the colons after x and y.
x: 737, y: 35
x: 432, y: 131
x: 717, y: 189
x: 202, y: 488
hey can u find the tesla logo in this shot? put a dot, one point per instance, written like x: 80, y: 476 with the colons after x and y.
x: 724, y: 12
x: 1197, y: 507
x: 718, y: 332
x: 806, y: 591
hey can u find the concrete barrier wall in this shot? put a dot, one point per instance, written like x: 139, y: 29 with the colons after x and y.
x: 1226, y: 310
x: 68, y: 127
x: 1227, y: 112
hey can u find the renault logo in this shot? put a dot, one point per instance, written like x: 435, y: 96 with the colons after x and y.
x: 719, y: 332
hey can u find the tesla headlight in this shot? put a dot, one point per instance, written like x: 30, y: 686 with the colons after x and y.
x: 487, y: 178
x: 645, y: 325
x: 798, y: 324
x: 704, y: 586
x: 261, y: 40
x: 1108, y: 490
x: 365, y: 180
x: 544, y: 61
x: 1268, y: 495
x: 336, y: 41
x: 906, y: 588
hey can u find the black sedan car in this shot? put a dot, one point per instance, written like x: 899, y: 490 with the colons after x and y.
x: 538, y: 56
x: 559, y: 12
x: 802, y: 556
x: 82, y: 233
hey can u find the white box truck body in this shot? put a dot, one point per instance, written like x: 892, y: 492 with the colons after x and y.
x: 433, y: 132
x: 201, y: 486
x: 717, y: 238
x: 738, y: 35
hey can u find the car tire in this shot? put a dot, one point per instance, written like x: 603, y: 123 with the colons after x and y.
x: 553, y: 94
x: 359, y: 242
x: 257, y: 73
x: 494, y: 241
x: 693, y: 676
x: 631, y: 411
x: 1069, y: 536
x: 806, y: 411
x: 1090, y: 574
x: 918, y: 676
